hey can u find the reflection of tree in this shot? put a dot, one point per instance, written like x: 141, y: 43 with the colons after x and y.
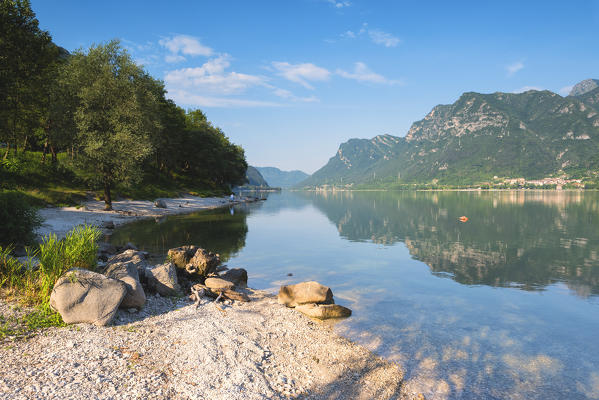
x: 216, y: 230
x: 523, y: 239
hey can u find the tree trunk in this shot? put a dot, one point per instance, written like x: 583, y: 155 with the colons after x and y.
x: 7, y: 150
x: 25, y: 143
x: 107, y: 198
x: 54, y: 156
x: 45, y: 151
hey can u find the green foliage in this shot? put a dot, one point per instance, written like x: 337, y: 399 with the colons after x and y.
x: 19, y: 219
x: 529, y: 135
x: 77, y: 250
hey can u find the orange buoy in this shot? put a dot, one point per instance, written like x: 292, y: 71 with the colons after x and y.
x: 463, y: 218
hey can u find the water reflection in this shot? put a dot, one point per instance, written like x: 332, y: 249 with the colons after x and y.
x: 222, y: 230
x: 515, y: 239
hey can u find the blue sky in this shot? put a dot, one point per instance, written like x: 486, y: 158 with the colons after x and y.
x: 289, y: 80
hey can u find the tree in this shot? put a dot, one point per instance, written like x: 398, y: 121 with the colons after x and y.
x: 25, y: 52
x: 115, y: 116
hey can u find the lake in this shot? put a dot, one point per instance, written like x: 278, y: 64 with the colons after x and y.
x: 505, y: 305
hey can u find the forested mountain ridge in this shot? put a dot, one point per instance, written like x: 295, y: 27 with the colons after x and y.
x: 283, y: 179
x: 534, y: 134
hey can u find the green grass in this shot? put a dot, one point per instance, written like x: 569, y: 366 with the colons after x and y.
x: 31, y: 286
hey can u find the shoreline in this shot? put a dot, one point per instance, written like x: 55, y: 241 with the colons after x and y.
x: 170, y: 349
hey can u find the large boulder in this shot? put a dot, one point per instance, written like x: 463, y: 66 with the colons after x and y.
x: 196, y: 261
x: 86, y: 296
x: 127, y: 273
x: 159, y: 203
x: 203, y: 263
x: 136, y: 257
x: 180, y: 256
x: 324, y: 311
x: 305, y: 292
x: 163, y: 279
x: 238, y: 276
x: 218, y: 284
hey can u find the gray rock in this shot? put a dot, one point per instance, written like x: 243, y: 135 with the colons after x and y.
x: 180, y: 256
x: 136, y: 257
x: 238, y: 276
x: 194, y: 260
x: 219, y: 284
x: 86, y: 296
x: 303, y: 293
x: 203, y: 263
x: 324, y: 311
x: 128, y: 274
x: 159, y: 203
x: 163, y: 279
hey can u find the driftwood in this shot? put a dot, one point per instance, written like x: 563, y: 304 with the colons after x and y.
x: 198, y: 293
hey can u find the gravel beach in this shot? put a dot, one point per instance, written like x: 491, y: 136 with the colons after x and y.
x: 173, y: 350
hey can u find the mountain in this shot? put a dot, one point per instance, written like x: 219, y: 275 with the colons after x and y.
x: 583, y: 87
x: 283, y: 179
x: 254, y: 178
x: 532, y: 135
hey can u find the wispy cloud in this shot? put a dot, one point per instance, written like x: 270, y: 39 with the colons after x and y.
x: 287, y: 95
x: 301, y: 73
x: 513, y: 68
x: 211, y: 77
x: 377, y: 36
x: 383, y: 38
x: 180, y: 46
x: 527, y: 88
x: 189, y: 98
x: 339, y: 4
x: 362, y: 73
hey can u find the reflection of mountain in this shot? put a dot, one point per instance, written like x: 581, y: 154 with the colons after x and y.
x: 217, y: 230
x: 523, y: 239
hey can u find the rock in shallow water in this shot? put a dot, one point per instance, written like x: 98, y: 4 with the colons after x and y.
x: 324, y: 311
x: 86, y: 296
x: 305, y: 292
x: 238, y: 276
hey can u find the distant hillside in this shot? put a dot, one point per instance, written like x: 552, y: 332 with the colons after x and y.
x: 283, y: 179
x: 255, y: 178
x: 532, y: 135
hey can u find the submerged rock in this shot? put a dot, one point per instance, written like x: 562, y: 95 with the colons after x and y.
x: 324, y: 311
x: 305, y: 292
x: 86, y: 296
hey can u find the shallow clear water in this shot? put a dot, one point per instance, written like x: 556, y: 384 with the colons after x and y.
x: 502, y: 306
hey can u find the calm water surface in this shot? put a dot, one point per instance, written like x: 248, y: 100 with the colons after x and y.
x: 503, y: 306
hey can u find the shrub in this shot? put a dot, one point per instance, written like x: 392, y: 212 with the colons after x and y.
x: 19, y: 219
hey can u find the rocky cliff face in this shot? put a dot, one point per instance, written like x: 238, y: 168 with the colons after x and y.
x: 532, y: 135
x: 583, y: 87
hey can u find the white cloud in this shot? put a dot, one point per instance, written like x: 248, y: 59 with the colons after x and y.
x: 286, y: 94
x: 183, y: 45
x: 192, y: 99
x: 301, y: 73
x: 527, y: 88
x: 383, y: 38
x: 362, y: 73
x: 565, y: 90
x: 211, y: 77
x: 348, y: 34
x: 339, y: 4
x: 513, y: 68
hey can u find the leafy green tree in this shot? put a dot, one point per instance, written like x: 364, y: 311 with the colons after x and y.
x: 25, y: 52
x: 115, y: 116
